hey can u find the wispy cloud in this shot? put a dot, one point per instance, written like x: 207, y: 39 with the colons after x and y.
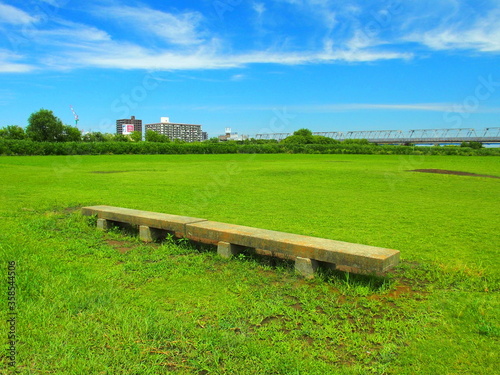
x: 418, y: 107
x: 480, y: 34
x: 56, y: 3
x: 259, y: 8
x: 140, y: 37
x: 14, y: 16
x: 71, y: 34
x: 354, y: 107
x: 10, y: 63
x: 238, y: 77
x: 179, y: 29
x: 428, y: 107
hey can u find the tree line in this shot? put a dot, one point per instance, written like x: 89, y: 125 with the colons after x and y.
x: 44, y: 126
x: 47, y: 135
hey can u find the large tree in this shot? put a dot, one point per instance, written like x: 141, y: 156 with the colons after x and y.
x: 301, y: 136
x: 303, y: 132
x: 44, y: 126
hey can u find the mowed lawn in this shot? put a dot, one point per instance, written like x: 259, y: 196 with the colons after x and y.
x: 90, y: 302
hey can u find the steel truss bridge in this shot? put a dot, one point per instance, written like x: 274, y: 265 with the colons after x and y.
x: 435, y: 136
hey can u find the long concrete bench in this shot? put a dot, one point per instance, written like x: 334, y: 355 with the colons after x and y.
x: 308, y: 252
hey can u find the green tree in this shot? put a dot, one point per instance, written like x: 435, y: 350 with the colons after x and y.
x: 152, y: 136
x: 298, y: 139
x: 108, y: 137
x: 70, y: 134
x: 136, y: 136
x: 43, y: 126
x: 94, y: 137
x: 303, y: 132
x: 322, y: 140
x: 301, y: 136
x: 212, y: 140
x: 13, y: 132
x: 120, y: 138
x: 474, y: 145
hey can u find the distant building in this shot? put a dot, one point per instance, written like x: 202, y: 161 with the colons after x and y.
x: 184, y: 132
x: 230, y: 136
x: 127, y: 126
x: 204, y: 136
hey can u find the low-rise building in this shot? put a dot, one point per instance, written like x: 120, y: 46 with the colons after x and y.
x: 230, y: 136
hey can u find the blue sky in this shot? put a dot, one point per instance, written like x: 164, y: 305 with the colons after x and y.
x: 254, y: 66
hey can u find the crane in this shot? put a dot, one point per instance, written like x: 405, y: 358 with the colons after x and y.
x: 74, y: 114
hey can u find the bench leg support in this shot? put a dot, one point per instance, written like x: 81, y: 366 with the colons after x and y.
x: 227, y: 250
x: 148, y: 234
x: 103, y: 224
x: 306, y: 267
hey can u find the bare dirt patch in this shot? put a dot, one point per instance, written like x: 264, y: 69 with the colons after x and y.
x: 121, y: 246
x: 105, y: 172
x: 457, y: 173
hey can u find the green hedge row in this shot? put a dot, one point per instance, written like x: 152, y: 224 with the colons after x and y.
x: 28, y: 147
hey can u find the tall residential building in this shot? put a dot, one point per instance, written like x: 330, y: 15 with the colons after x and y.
x: 136, y: 125
x: 184, y: 132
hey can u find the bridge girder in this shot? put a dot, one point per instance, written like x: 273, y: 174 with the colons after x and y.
x: 447, y: 135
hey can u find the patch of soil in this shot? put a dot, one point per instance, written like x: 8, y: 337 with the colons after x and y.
x: 70, y: 210
x: 297, y: 306
x: 457, y: 173
x: 270, y: 319
x: 104, y: 172
x: 121, y: 246
x: 320, y: 310
x: 400, y: 291
x: 341, y: 299
x: 308, y: 339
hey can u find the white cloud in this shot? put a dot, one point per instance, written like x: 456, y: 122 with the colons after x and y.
x: 14, y: 16
x: 9, y: 63
x: 259, y: 8
x: 421, y: 107
x: 179, y: 29
x: 73, y: 34
x: 432, y: 107
x: 122, y: 56
x: 483, y: 35
x: 238, y: 77
x: 436, y: 24
x: 455, y: 26
x: 56, y: 3
x: 351, y: 107
x: 75, y: 45
x: 11, y: 67
x: 6, y: 97
x: 188, y: 43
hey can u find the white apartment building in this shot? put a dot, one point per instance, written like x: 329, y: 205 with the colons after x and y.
x: 184, y: 132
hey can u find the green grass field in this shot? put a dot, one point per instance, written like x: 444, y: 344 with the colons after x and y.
x: 89, y: 302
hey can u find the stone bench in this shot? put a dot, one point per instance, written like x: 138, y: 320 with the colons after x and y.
x: 307, y: 252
